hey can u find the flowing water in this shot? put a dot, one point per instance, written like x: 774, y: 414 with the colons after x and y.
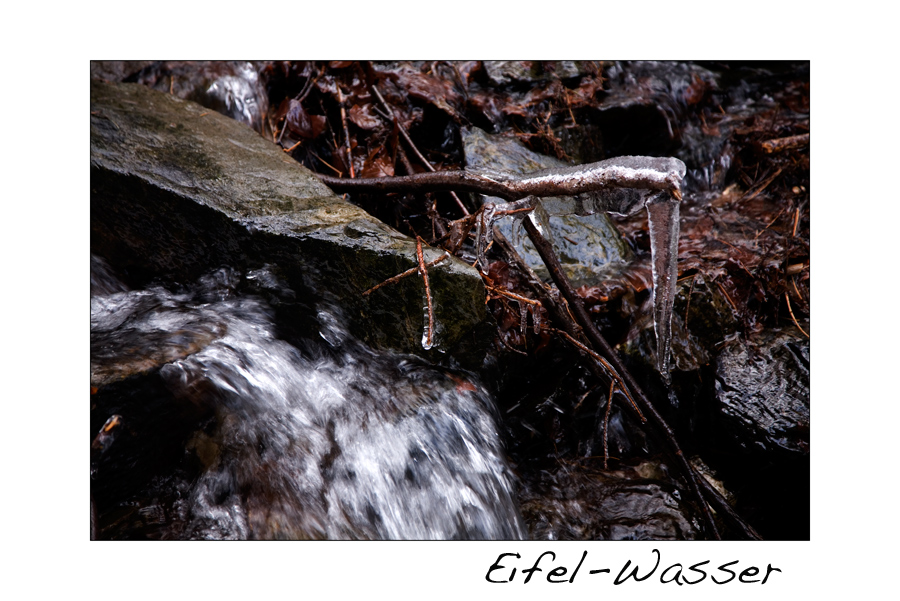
x: 317, y: 438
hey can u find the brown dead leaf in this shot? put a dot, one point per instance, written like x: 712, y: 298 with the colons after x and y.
x: 377, y: 165
x: 364, y: 116
x: 303, y: 124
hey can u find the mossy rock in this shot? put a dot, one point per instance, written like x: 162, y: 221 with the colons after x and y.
x: 178, y: 190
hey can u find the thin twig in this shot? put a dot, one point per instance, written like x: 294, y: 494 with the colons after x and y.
x: 583, y: 397
x: 324, y: 162
x: 405, y: 160
x: 298, y: 143
x: 762, y: 186
x: 612, y: 388
x: 407, y: 273
x: 771, y: 222
x: 514, y: 296
x: 688, y: 308
x: 514, y: 211
x: 423, y: 269
x: 346, y: 132
x: 791, y: 311
x: 510, y: 348
x: 728, y: 298
x: 616, y: 378
x: 797, y: 290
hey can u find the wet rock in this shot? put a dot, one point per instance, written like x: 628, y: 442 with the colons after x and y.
x: 135, y: 333
x: 634, y: 503
x: 233, y: 88
x: 114, y: 71
x: 178, y: 190
x: 103, y: 279
x: 504, y: 72
x: 586, y: 246
x: 710, y: 320
x: 646, y: 103
x: 762, y: 391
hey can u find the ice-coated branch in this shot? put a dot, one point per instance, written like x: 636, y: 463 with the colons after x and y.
x: 620, y: 185
x: 628, y: 173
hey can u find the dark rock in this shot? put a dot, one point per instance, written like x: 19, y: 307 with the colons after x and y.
x: 135, y: 333
x: 586, y: 246
x: 178, y: 191
x: 633, y: 503
x: 233, y: 88
x: 505, y: 72
x: 762, y: 389
x: 114, y: 71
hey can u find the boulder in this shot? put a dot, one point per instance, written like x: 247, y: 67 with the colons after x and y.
x: 178, y: 190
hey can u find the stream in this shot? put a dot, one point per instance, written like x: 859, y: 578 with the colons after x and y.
x: 320, y: 438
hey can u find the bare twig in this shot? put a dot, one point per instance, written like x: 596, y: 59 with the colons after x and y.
x: 407, y: 273
x: 762, y: 186
x: 583, y: 397
x: 536, y: 186
x: 614, y: 375
x: 770, y: 223
x: 405, y: 160
x: 612, y: 388
x: 797, y: 290
x: 324, y: 162
x: 791, y: 311
x: 346, y: 132
x: 781, y: 144
x: 295, y: 145
x: 513, y: 296
x: 728, y: 298
x: 423, y: 269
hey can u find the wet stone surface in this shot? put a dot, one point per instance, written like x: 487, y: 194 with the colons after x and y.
x: 762, y: 388
x: 586, y: 245
x: 178, y: 190
x: 637, y: 502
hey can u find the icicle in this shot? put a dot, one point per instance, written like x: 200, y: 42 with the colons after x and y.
x: 523, y: 316
x: 536, y: 318
x: 427, y: 334
x: 662, y: 212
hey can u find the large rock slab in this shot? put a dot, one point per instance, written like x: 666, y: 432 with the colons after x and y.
x: 178, y: 190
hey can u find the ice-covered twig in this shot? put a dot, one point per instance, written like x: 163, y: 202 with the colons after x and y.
x: 428, y: 338
x: 620, y: 185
